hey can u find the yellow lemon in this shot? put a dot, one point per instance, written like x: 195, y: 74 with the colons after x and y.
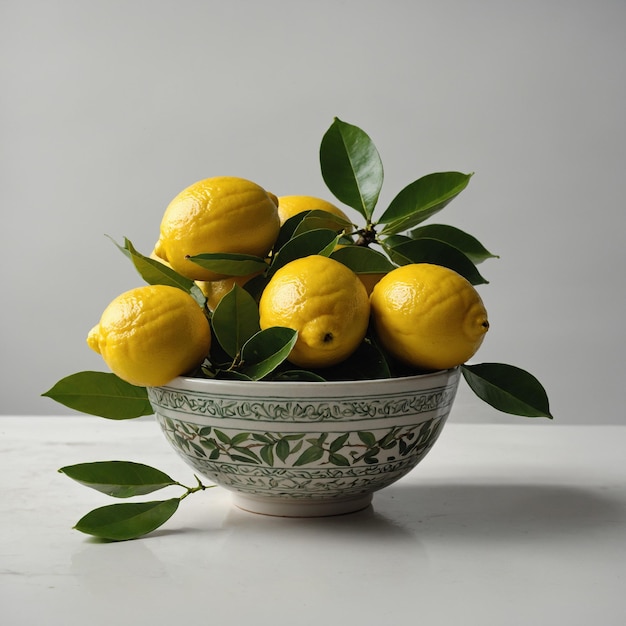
x: 325, y: 302
x: 220, y: 214
x: 151, y: 334
x: 288, y: 206
x: 370, y: 280
x: 428, y: 316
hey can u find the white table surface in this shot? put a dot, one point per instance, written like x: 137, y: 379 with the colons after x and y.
x: 500, y: 524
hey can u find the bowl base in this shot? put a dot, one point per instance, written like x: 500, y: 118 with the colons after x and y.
x: 282, y: 507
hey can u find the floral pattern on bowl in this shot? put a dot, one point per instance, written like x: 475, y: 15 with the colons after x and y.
x: 304, y: 449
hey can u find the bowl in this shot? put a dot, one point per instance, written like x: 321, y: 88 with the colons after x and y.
x: 304, y: 449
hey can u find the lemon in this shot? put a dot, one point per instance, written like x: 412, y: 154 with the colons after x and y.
x: 371, y: 280
x: 428, y: 316
x: 151, y: 334
x: 220, y: 214
x: 288, y: 206
x: 325, y: 302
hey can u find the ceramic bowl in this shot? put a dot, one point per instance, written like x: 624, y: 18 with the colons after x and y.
x: 304, y: 449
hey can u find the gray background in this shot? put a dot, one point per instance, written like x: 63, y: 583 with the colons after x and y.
x: 108, y: 109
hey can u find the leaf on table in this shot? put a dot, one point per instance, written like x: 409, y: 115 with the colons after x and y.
x: 128, y: 520
x: 422, y: 199
x: 351, y: 167
x: 101, y: 393
x: 119, y: 479
x: 508, y: 389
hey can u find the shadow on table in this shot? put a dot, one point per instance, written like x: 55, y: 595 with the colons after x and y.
x: 498, y: 510
x: 467, y: 510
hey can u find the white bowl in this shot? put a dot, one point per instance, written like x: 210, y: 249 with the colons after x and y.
x: 304, y: 449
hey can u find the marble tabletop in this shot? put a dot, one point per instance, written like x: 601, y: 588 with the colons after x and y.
x: 499, y: 525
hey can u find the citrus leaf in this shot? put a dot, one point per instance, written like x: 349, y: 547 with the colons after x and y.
x: 318, y: 241
x: 231, y: 375
x: 101, y: 393
x: 119, y: 479
x: 266, y: 350
x: 287, y: 230
x: 128, y: 520
x: 437, y: 253
x: 393, y: 241
x: 316, y: 218
x: 230, y: 264
x: 362, y: 260
x: 351, y: 167
x: 422, y: 199
x: 299, y: 376
x: 466, y: 243
x: 508, y: 389
x: 235, y: 320
x: 367, y: 362
x: 157, y: 273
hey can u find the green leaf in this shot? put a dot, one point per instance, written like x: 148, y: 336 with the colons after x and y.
x: 362, y: 260
x: 338, y: 459
x: 282, y: 449
x: 129, y: 520
x: 256, y: 285
x: 231, y: 375
x: 469, y: 245
x: 267, y: 454
x: 422, y: 199
x: 299, y: 376
x: 508, y: 389
x: 240, y: 438
x: 235, y: 320
x: 156, y: 273
x: 393, y: 241
x: 351, y: 167
x: 339, y: 443
x: 310, y: 455
x: 223, y: 437
x: 119, y: 479
x: 230, y: 264
x: 266, y: 350
x: 316, y: 219
x: 437, y: 253
x: 367, y: 438
x: 288, y: 229
x: 367, y: 362
x: 319, y: 241
x: 102, y: 394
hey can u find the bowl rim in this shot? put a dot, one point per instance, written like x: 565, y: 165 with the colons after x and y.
x: 189, y: 381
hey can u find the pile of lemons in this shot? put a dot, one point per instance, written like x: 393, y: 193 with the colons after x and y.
x: 427, y: 316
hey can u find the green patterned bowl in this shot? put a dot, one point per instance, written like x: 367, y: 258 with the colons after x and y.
x: 304, y: 449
